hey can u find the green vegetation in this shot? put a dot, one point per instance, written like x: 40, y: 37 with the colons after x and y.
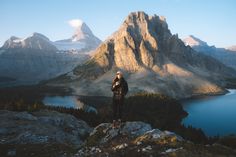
x: 27, y: 98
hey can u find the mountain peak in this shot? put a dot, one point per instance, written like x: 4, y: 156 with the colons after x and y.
x: 143, y: 47
x: 82, y: 32
x: 142, y: 16
x: 194, y: 41
x: 34, y: 41
x: 138, y: 37
x: 39, y: 35
x: 82, y: 40
x: 14, y: 38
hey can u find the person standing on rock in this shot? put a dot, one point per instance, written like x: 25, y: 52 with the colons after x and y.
x: 119, y: 89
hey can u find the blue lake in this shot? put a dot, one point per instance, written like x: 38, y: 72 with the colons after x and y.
x: 63, y: 101
x: 215, y: 115
x: 68, y: 102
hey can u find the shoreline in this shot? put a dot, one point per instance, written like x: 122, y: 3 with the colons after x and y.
x: 199, y: 96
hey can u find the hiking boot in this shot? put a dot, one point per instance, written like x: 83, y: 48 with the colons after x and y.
x: 114, y: 124
x: 119, y: 123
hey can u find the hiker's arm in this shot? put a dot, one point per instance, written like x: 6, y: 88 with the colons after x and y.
x: 115, y: 85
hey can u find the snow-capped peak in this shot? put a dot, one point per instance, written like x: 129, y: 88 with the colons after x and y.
x: 38, y: 35
x: 82, y: 32
x: 34, y: 41
x: 14, y: 39
x: 193, y: 41
x: 82, y: 39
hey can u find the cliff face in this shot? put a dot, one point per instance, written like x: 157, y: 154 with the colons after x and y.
x: 152, y: 59
x: 135, y: 45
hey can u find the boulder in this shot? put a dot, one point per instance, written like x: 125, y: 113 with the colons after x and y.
x: 104, y: 132
x: 41, y: 127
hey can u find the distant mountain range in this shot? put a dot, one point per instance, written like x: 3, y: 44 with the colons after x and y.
x: 35, y: 41
x: 225, y: 55
x: 35, y: 58
x: 152, y: 59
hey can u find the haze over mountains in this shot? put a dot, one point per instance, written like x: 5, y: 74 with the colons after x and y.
x: 225, y: 55
x: 36, y: 58
x: 232, y: 48
x: 152, y: 59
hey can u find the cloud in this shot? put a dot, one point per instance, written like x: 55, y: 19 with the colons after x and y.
x: 75, y: 23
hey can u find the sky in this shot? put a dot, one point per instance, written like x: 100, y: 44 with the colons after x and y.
x: 213, y: 21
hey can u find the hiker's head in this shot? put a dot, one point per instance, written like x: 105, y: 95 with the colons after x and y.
x: 119, y: 74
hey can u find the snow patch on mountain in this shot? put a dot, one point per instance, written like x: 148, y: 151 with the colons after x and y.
x: 194, y: 41
x: 83, y: 39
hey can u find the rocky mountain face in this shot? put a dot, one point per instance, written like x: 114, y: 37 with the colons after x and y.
x: 225, y: 55
x: 152, y: 59
x: 83, y: 40
x: 33, y: 59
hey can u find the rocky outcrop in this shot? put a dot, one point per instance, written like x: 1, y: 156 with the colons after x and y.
x: 41, y: 127
x: 140, y: 139
x: 152, y: 59
x: 22, y: 131
x: 132, y: 129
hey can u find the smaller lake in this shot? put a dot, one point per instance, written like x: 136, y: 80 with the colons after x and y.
x: 68, y: 102
x: 63, y: 101
x: 215, y: 115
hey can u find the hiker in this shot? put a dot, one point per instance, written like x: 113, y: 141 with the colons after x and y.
x: 119, y: 89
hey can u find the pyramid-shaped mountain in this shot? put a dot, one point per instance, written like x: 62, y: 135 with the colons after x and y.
x: 83, y: 40
x: 152, y: 59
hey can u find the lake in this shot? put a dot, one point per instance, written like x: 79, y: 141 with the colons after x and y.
x: 215, y: 115
x: 68, y: 102
x: 63, y: 101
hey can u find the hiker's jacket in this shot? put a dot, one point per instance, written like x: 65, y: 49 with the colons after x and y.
x: 119, y: 88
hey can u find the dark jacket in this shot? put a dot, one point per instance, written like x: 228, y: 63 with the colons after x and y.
x: 119, y: 88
